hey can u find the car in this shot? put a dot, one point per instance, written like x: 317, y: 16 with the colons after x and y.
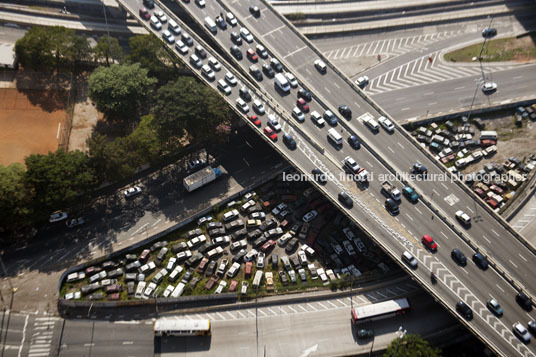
x: 305, y: 94
x: 258, y: 215
x: 255, y: 72
x: 458, y: 257
x: 75, y: 222
x: 258, y: 107
x: 235, y: 51
x: 144, y: 14
x: 231, y: 19
x: 224, y: 87
x: 254, y: 10
x: 289, y: 141
x: 251, y: 55
x: 200, y: 51
x: 200, y: 3
x: 317, y: 119
x: 351, y: 165
x: 410, y: 259
x: 291, y: 246
x: 392, y: 206
x: 410, y: 194
x: 489, y: 87
x: 480, y: 260
x: 298, y: 114
x: 429, y: 243
x: 181, y: 47
x: 464, y: 310
x: 521, y: 332
x: 419, y: 169
x: 244, y: 94
x: 365, y: 334
x: 345, y: 111
x: 489, y: 32
x: 242, y: 105
x: 214, y: 64
x: 362, y: 81
x: 463, y: 217
x: 345, y: 199
x: 354, y: 142
x: 302, y: 104
x: 220, y: 21
x: 195, y: 61
x: 161, y: 16
x: 330, y: 118
x: 261, y: 51
x: 57, y: 216
x: 320, y: 66
x: 246, y: 35
x: 256, y: 121
x: 274, y: 123
x: 260, y: 260
x: 208, y: 72
x: 386, y: 124
x: 494, y: 306
x: 155, y: 23
x: 237, y: 40
x: 319, y: 176
x: 132, y: 191
x: 231, y: 79
x: 532, y: 326
x: 309, y: 216
x: 276, y: 65
x: 270, y: 133
x: 187, y: 39
x: 231, y: 215
x: 149, y: 4
x: 268, y: 70
x: 291, y: 80
x: 524, y: 301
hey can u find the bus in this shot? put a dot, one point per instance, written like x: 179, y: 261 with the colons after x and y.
x: 183, y: 327
x: 380, y: 310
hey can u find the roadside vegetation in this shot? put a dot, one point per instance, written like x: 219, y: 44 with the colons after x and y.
x: 411, y: 345
x: 498, y: 50
x: 153, y: 108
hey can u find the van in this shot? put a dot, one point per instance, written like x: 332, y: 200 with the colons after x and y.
x: 257, y: 279
x: 488, y: 135
x: 410, y: 259
x: 334, y: 136
x: 173, y: 27
x: 211, y: 25
x: 281, y: 83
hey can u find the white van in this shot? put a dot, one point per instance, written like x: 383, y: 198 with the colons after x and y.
x: 139, y: 289
x: 173, y: 27
x: 211, y: 25
x: 281, y: 83
x: 257, y: 279
x: 488, y: 135
x: 179, y: 289
x: 371, y: 123
x: 334, y: 136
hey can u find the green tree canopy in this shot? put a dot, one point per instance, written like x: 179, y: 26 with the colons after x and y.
x: 411, y: 346
x: 108, y: 48
x: 120, y: 91
x: 151, y: 53
x: 15, y: 197
x: 59, y: 179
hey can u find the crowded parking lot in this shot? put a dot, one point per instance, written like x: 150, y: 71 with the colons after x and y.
x: 281, y: 237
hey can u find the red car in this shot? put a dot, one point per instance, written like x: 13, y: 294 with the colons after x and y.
x: 233, y: 285
x: 248, y: 270
x: 429, y: 243
x: 302, y: 104
x: 144, y: 13
x: 253, y: 118
x: 268, y: 245
x: 270, y: 133
x: 252, y: 55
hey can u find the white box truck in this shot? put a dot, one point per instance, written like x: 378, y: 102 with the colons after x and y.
x: 201, y: 178
x: 281, y: 83
x: 211, y: 25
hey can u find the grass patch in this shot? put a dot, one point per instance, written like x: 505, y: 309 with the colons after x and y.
x: 499, y: 50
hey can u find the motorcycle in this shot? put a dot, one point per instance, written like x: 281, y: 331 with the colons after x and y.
x: 433, y: 277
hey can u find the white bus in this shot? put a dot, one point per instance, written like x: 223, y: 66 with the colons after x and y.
x: 184, y: 327
x: 380, y: 310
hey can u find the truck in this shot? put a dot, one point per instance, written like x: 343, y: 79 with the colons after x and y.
x: 363, y: 176
x: 281, y: 83
x: 201, y: 178
x: 389, y: 190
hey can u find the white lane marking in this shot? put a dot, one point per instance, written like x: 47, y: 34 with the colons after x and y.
x: 400, y: 145
x: 458, y: 88
x: 522, y: 257
x: 409, y: 216
x: 486, y: 238
x: 155, y: 223
x: 23, y: 335
x: 128, y: 342
x: 429, y: 93
x: 493, y: 230
x: 511, y: 262
x: 416, y: 209
x: 295, y: 51
x: 336, y: 85
x: 404, y: 109
x: 434, y: 191
x: 469, y: 208
x: 323, y: 306
x: 444, y: 235
x: 327, y: 90
x: 391, y: 150
x: 274, y: 30
x: 444, y: 186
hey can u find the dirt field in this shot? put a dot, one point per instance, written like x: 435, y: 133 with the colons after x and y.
x: 27, y: 127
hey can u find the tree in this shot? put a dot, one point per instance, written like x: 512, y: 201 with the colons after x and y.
x: 108, y: 47
x: 34, y: 49
x: 411, y: 346
x: 79, y: 51
x: 120, y: 91
x: 15, y: 197
x: 59, y: 179
x: 152, y: 54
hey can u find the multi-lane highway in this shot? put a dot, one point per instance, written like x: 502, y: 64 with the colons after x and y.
x: 417, y: 218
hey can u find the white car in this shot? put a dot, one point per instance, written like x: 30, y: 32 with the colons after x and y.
x: 224, y: 87
x: 351, y: 164
x: 57, y: 216
x: 260, y: 260
x: 317, y: 119
x: 273, y: 123
x: 168, y: 291
x: 489, y: 87
x: 195, y: 61
x: 231, y: 19
x: 208, y: 72
x: 230, y: 78
x: 258, y: 215
x: 258, y: 107
x: 292, y: 80
x: 161, y: 16
x: 171, y: 264
x: 387, y: 124
x: 521, y: 332
x: 204, y: 220
x: 246, y: 35
x: 243, y: 106
x: 200, y: 3
x: 132, y: 191
x: 229, y: 216
x: 214, y: 64
x: 181, y: 47
x: 362, y: 81
x: 298, y: 115
x: 463, y: 217
x: 310, y: 216
x: 168, y: 37
x: 155, y: 23
x: 320, y: 66
x: 220, y: 287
